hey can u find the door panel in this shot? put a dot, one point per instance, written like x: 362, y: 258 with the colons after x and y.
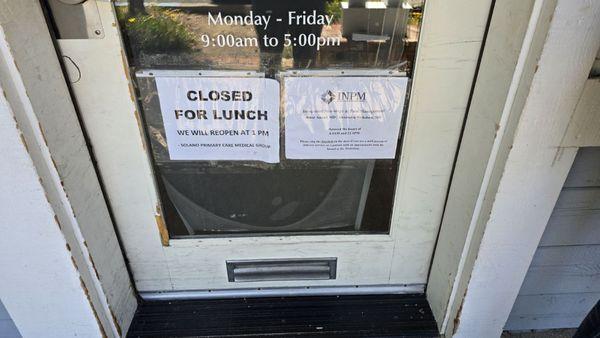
x: 393, y: 250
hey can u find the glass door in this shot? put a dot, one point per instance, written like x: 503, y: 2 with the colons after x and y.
x: 264, y: 144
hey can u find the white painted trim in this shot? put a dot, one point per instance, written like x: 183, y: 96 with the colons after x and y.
x: 36, y: 90
x: 534, y: 172
x: 487, y: 123
x: 487, y: 177
x: 37, y: 144
x: 40, y: 286
x: 447, y: 58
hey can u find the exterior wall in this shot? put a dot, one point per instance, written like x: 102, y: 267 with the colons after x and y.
x: 7, y: 326
x: 563, y: 280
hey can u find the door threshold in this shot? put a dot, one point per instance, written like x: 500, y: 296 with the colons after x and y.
x: 406, y: 315
x: 285, y: 292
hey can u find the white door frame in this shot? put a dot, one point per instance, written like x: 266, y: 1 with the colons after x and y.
x: 507, y: 182
x: 72, y: 261
x: 536, y: 166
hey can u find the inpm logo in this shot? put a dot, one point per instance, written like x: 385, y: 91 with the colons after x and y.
x: 331, y: 96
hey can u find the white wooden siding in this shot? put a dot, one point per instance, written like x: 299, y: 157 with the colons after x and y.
x: 576, y: 218
x: 563, y: 281
x: 7, y: 326
x: 586, y: 169
x: 543, y: 311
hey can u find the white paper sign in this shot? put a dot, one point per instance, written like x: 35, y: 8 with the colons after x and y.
x: 343, y: 117
x: 220, y: 118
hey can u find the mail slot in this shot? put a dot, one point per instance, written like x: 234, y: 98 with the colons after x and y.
x: 281, y: 269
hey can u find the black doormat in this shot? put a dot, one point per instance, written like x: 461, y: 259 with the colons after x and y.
x: 322, y: 316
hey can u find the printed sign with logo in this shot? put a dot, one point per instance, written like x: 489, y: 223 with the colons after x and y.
x: 220, y: 118
x: 343, y: 117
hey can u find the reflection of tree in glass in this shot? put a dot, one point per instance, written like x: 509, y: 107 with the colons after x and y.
x: 333, y: 8
x: 136, y: 7
x: 379, y: 37
x: 155, y: 29
x: 270, y: 55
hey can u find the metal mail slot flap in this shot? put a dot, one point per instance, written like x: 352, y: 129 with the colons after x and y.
x: 281, y: 269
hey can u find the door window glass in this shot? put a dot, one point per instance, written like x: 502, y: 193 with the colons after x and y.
x: 272, y: 38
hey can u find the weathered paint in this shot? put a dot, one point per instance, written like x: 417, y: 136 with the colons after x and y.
x: 493, y: 105
x: 535, y: 169
x: 41, y: 102
x: 162, y: 227
x: 33, y: 249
